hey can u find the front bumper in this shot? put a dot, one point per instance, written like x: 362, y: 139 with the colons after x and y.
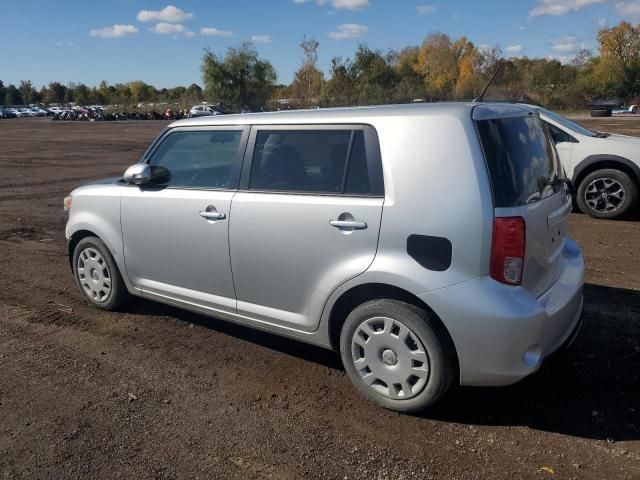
x: 502, y: 333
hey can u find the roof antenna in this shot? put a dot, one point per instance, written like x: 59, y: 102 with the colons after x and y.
x: 480, y: 98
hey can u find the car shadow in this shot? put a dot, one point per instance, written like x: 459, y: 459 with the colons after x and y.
x: 268, y: 340
x: 591, y: 390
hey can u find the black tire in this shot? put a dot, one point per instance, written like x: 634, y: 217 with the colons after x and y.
x: 437, y: 344
x: 118, y: 293
x: 601, y: 113
x: 634, y: 109
x: 630, y: 193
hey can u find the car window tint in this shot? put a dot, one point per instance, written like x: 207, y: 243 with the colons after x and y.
x: 558, y: 135
x: 300, y: 160
x: 205, y: 159
x: 358, y: 173
x: 521, y: 160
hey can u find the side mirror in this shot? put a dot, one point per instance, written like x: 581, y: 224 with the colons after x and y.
x: 137, y: 174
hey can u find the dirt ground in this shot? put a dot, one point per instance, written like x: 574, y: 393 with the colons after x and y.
x: 155, y: 392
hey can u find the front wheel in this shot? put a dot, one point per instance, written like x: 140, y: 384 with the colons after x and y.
x: 607, y: 194
x: 97, y: 274
x: 397, y: 355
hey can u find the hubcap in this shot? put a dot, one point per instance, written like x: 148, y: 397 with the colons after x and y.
x: 94, y: 275
x: 604, y: 195
x: 390, y: 358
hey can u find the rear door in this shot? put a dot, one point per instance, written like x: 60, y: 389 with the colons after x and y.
x: 524, y: 170
x: 307, y: 220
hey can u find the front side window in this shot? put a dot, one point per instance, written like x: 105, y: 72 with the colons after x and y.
x: 307, y: 161
x: 200, y: 159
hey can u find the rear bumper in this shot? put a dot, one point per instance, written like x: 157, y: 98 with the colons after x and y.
x: 501, y: 333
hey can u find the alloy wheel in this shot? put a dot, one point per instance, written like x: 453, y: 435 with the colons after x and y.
x: 605, y: 195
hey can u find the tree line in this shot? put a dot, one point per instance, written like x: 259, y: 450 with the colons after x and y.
x: 122, y: 94
x: 440, y: 68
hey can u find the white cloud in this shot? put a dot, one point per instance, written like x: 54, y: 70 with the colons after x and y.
x: 169, y: 14
x: 561, y: 7
x: 341, y: 4
x: 164, y: 28
x: 522, y: 28
x: 565, y: 45
x: 427, y: 9
x: 514, y: 49
x: 629, y: 10
x: 114, y: 31
x: 348, y: 31
x: 189, y: 34
x: 602, y: 22
x: 214, y: 32
x: 262, y: 39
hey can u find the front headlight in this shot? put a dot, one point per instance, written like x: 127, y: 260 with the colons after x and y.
x: 67, y: 203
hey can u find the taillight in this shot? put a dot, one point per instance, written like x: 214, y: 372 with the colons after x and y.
x: 507, y: 250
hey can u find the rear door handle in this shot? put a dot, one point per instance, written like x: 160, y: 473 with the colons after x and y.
x: 212, y: 215
x: 355, y: 224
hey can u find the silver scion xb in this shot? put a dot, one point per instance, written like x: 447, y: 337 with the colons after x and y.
x: 426, y: 243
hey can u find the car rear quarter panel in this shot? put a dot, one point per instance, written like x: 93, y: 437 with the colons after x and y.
x: 436, y: 184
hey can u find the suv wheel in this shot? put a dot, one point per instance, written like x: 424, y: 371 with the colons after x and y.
x: 397, y: 355
x: 607, y: 193
x: 97, y: 275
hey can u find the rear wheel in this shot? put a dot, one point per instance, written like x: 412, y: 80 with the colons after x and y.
x: 397, y: 355
x: 97, y: 274
x: 607, y: 193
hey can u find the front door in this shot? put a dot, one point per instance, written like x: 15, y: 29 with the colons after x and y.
x: 176, y: 235
x: 308, y: 222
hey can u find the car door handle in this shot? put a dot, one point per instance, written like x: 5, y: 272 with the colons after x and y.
x: 355, y: 224
x: 212, y: 215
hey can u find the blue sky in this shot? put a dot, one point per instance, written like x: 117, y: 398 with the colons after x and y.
x: 162, y: 43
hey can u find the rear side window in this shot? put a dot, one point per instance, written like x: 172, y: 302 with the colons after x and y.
x: 312, y: 161
x: 200, y: 159
x: 522, y: 162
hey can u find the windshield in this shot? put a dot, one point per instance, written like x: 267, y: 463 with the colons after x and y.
x: 565, y: 122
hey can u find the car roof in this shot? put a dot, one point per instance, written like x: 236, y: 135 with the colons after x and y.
x: 358, y: 114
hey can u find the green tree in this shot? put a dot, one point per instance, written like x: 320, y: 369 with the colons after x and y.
x: 375, y: 77
x: 619, y: 66
x: 27, y: 92
x: 82, y: 94
x: 241, y: 80
x: 308, y: 80
x: 140, y: 91
x: 12, y: 97
x: 340, y: 88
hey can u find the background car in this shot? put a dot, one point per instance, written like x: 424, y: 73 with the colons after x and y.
x: 604, y: 168
x: 203, y: 111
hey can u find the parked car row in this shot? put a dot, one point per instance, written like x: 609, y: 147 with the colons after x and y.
x: 14, y: 112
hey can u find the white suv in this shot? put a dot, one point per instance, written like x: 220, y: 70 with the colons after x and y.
x: 604, y: 168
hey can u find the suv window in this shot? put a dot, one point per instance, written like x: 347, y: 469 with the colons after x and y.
x: 310, y: 161
x: 558, y: 135
x: 200, y: 159
x: 522, y: 161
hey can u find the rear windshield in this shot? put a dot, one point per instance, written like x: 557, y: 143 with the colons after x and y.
x: 522, y: 162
